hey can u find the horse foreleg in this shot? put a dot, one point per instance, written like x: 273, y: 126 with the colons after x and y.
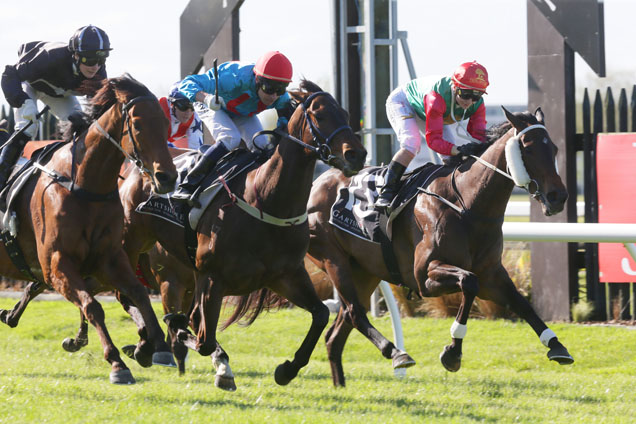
x: 359, y: 285
x: 12, y: 317
x: 64, y: 276
x: 205, y: 315
x: 224, y: 377
x: 298, y: 289
x: 81, y: 339
x: 444, y: 278
x: 506, y: 294
x: 335, y: 340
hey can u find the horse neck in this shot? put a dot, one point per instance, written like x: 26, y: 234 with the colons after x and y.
x: 98, y: 161
x: 487, y: 192
x: 283, y: 183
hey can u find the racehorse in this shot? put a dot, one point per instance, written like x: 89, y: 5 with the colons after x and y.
x: 70, y: 227
x: 239, y: 253
x: 441, y: 247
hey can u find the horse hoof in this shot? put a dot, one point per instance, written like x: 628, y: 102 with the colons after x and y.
x: 129, y: 350
x: 4, y: 318
x: 164, y: 359
x: 403, y: 360
x: 72, y: 345
x: 122, y: 377
x: 283, y: 374
x: 143, y: 358
x: 561, y: 355
x: 450, y: 361
x: 225, y: 383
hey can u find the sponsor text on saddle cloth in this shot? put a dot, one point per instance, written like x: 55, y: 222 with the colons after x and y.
x: 231, y: 165
x: 353, y: 210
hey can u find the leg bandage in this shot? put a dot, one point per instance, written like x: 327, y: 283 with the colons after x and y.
x: 458, y: 331
x: 546, y: 336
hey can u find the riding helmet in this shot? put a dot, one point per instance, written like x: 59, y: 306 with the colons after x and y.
x: 90, y: 41
x: 274, y: 66
x: 471, y: 75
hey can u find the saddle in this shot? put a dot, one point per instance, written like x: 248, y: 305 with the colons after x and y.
x: 354, y: 211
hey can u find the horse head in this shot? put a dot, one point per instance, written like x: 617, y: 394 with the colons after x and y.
x: 144, y: 130
x: 531, y: 157
x: 322, y: 123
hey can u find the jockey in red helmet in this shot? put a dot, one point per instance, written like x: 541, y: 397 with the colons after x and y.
x: 436, y: 108
x: 244, y: 90
x: 51, y: 72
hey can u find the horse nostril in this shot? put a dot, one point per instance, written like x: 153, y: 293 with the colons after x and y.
x: 350, y: 156
x: 165, y: 178
x: 355, y: 158
x: 557, y: 196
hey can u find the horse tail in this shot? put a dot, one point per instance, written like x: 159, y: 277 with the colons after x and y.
x: 250, y: 306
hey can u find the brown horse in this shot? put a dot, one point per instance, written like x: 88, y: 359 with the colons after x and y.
x: 441, y: 247
x: 71, y: 219
x: 239, y: 253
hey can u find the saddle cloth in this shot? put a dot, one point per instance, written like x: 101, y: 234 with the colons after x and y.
x: 353, y: 210
x: 231, y: 165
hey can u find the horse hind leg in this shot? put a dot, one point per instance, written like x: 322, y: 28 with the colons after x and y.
x: 12, y: 317
x: 444, y: 278
x: 177, y: 322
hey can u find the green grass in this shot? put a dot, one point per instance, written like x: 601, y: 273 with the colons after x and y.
x: 505, y: 376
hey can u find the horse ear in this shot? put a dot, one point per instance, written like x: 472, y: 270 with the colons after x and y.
x: 539, y: 115
x: 514, y: 121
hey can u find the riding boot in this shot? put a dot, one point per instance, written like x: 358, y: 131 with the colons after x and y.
x: 10, y: 155
x: 391, y: 186
x: 200, y: 171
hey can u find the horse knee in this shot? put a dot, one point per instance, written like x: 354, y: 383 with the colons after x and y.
x: 469, y: 284
x: 93, y: 311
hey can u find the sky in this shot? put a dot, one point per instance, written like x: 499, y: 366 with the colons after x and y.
x: 145, y: 38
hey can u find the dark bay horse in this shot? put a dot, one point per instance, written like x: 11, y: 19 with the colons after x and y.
x: 239, y: 253
x: 70, y: 218
x: 442, y: 249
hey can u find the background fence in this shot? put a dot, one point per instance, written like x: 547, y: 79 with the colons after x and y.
x: 604, y: 115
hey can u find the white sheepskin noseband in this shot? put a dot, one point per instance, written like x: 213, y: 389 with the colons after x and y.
x: 515, y: 161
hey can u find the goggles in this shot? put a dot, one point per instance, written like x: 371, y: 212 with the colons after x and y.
x: 273, y: 87
x: 183, y: 104
x: 467, y: 94
x: 92, y: 61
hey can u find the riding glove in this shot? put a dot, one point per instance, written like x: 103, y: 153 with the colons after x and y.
x: 470, y: 149
x: 210, y: 101
x: 29, y: 110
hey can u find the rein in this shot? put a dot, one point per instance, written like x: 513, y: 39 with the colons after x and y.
x: 323, y: 151
x: 520, y: 178
x: 70, y: 185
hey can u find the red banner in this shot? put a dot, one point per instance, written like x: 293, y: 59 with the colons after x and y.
x: 616, y: 179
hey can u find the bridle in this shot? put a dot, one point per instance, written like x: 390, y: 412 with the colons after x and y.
x: 322, y: 142
x: 126, y: 127
x: 520, y: 176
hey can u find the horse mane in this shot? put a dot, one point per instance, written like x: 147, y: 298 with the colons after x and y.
x: 116, y: 90
x: 495, y: 132
x: 109, y: 92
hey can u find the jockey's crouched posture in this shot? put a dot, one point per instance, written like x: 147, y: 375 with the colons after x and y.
x: 435, y: 108
x: 244, y: 90
x: 51, y: 72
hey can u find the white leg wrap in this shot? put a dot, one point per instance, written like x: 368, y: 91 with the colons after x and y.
x: 222, y: 368
x: 458, y: 331
x: 546, y: 336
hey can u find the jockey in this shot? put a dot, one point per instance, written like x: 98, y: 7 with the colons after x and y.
x: 51, y: 72
x: 186, y: 130
x: 243, y: 91
x: 436, y: 108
